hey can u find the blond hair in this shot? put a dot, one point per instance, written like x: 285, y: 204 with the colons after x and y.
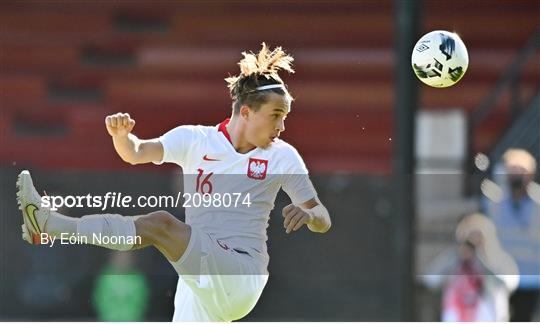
x: 493, y: 256
x: 521, y: 158
x: 476, y: 222
x: 258, y: 70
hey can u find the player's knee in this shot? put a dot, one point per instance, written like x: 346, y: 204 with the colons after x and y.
x: 155, y: 225
x: 161, y: 221
x: 164, y: 231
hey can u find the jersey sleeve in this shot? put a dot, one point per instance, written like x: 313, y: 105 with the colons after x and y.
x: 177, y: 143
x: 296, y: 182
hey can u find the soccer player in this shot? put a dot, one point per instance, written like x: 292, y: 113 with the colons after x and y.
x: 219, y: 252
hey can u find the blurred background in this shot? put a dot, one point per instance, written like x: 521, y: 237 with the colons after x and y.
x: 397, y: 163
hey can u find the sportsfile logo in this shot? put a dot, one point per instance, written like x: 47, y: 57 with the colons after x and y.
x: 111, y: 199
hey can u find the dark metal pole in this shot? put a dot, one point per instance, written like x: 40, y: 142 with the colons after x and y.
x: 407, y: 27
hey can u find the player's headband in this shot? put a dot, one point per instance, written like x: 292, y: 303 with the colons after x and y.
x: 268, y: 87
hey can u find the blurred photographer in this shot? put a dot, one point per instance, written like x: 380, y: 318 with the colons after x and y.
x: 476, y: 276
x: 516, y: 215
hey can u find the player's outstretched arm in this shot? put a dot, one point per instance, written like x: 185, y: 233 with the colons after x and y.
x: 130, y: 148
x: 312, y: 213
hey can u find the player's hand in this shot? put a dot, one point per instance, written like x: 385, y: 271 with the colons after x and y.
x: 294, y: 218
x: 119, y: 124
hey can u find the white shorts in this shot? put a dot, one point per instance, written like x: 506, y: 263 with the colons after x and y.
x: 217, y: 282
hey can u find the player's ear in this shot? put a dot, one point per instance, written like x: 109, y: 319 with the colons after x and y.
x: 245, y: 111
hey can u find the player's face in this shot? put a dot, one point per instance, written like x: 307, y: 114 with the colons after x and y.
x: 268, y: 122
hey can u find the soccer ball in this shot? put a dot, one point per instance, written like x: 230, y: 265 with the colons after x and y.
x: 440, y: 59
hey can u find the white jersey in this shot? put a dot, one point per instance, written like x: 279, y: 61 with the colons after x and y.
x: 211, y: 165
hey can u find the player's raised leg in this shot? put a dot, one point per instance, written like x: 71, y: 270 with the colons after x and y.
x: 160, y: 229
